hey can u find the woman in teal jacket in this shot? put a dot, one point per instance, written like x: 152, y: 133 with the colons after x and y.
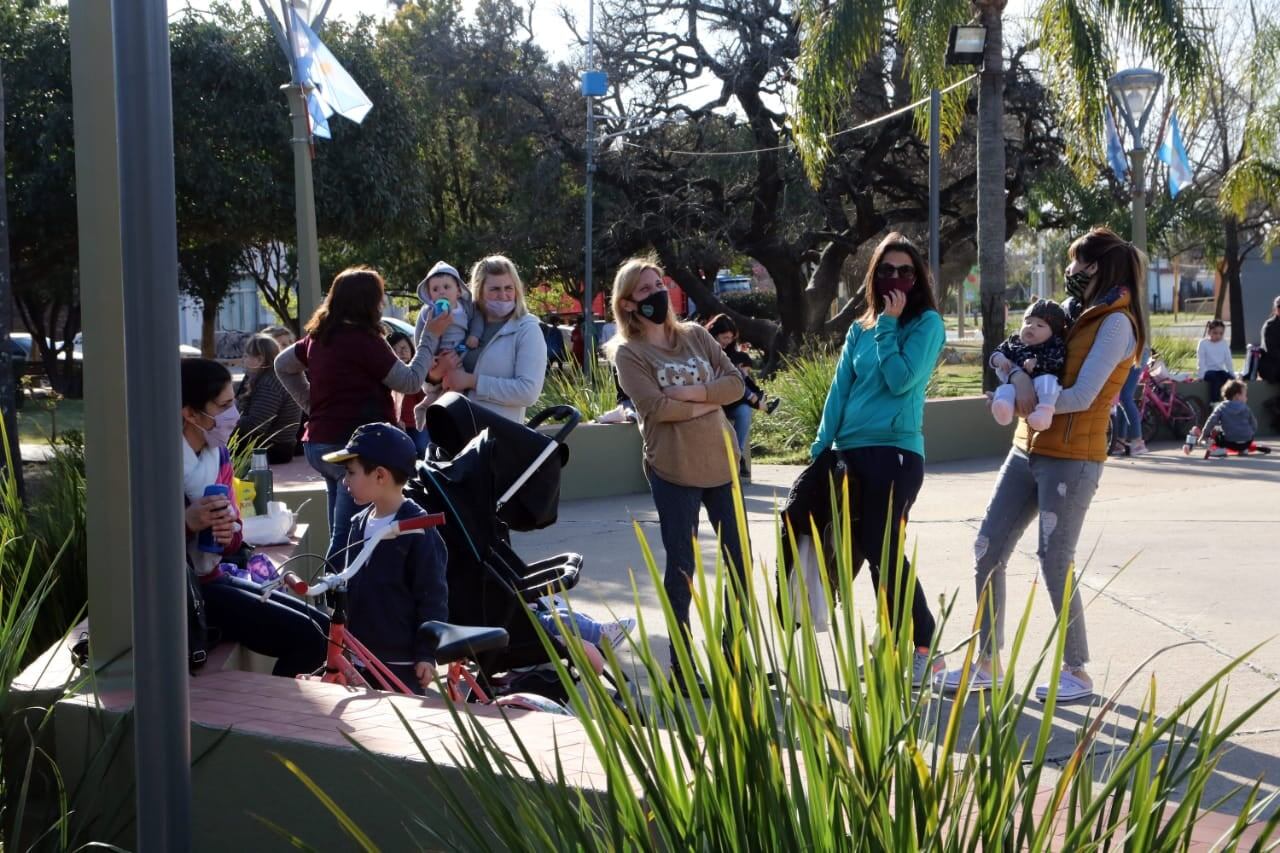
x: 874, y: 414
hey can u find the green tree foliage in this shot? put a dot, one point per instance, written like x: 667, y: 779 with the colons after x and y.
x: 40, y: 176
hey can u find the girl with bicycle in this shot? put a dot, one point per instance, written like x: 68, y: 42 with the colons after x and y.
x: 278, y: 626
x: 1051, y: 476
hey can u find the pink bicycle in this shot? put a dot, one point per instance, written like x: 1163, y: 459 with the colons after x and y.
x: 1160, y: 403
x: 350, y: 664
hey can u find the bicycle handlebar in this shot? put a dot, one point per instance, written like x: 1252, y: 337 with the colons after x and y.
x: 328, y: 582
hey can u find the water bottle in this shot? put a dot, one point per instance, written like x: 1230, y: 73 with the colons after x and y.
x: 1189, y: 443
x: 205, y: 542
x: 260, y: 476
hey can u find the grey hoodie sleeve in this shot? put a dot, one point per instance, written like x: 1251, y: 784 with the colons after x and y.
x: 1114, y: 344
x: 292, y: 374
x: 423, y: 339
x: 408, y: 378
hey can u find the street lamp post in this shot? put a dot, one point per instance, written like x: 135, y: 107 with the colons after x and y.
x: 1134, y: 92
x: 594, y: 84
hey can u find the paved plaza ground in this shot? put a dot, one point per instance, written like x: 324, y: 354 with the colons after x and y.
x: 1174, y: 550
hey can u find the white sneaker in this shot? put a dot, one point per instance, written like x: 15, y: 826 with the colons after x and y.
x: 1071, y: 687
x: 948, y: 682
x: 924, y: 670
x: 1137, y: 447
x: 615, y: 633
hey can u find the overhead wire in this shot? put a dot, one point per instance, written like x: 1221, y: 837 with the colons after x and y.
x: 790, y: 145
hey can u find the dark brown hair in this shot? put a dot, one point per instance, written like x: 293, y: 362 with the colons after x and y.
x: 1214, y: 324
x: 919, y: 299
x: 1120, y: 264
x: 355, y: 298
x: 720, y: 324
x: 1232, y: 388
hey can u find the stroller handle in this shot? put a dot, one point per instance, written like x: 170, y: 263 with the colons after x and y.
x: 571, y: 417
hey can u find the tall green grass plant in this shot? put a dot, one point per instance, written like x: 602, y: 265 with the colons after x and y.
x: 837, y: 751
x: 567, y: 385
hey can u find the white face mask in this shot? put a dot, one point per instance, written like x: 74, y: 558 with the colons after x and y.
x: 224, y: 423
x: 498, y: 309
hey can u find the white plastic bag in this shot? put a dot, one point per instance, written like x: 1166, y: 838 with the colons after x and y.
x: 270, y: 529
x: 807, y: 564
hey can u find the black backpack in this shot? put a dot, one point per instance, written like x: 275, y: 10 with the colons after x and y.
x: 197, y: 624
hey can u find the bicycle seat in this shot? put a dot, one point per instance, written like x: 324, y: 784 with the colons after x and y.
x: 456, y: 642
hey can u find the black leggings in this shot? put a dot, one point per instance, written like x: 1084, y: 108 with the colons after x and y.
x: 281, y: 627
x: 877, y: 471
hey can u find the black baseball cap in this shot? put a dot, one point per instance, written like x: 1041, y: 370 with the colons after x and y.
x: 378, y: 444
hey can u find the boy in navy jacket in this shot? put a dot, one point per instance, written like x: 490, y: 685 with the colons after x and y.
x: 404, y: 583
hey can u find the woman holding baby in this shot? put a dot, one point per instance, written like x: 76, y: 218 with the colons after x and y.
x: 1051, y: 474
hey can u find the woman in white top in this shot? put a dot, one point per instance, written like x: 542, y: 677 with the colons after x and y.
x: 1213, y: 359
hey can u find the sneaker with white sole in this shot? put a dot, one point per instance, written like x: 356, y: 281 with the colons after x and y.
x: 1138, y: 447
x: 615, y: 633
x: 948, y: 681
x: 924, y: 670
x: 1071, y: 687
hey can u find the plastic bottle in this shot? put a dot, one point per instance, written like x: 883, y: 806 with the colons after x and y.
x: 263, y: 482
x: 1189, y: 443
x: 205, y: 542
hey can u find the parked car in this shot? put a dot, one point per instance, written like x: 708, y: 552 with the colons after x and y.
x: 184, y: 350
x: 395, y: 324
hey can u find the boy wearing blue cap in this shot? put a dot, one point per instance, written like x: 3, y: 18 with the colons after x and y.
x: 404, y: 583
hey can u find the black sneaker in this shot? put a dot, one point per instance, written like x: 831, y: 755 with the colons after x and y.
x: 771, y: 404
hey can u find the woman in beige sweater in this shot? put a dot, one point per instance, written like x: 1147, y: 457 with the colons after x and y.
x: 679, y: 378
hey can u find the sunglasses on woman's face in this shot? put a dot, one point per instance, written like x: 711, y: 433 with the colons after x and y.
x: 907, y: 271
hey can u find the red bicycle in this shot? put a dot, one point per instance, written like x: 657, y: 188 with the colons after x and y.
x: 1160, y: 403
x: 350, y: 664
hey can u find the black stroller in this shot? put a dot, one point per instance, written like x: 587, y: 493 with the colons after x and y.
x: 490, y: 475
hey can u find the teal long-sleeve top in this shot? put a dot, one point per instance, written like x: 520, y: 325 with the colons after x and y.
x: 877, y: 399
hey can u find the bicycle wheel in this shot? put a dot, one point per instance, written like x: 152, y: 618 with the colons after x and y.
x: 1185, y: 413
x: 1151, y: 420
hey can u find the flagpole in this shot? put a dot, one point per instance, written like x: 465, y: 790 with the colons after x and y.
x: 308, y: 247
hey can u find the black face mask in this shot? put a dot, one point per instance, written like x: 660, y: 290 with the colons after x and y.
x: 654, y: 307
x: 1077, y: 283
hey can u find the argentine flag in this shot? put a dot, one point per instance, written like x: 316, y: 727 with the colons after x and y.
x: 335, y: 91
x: 1115, y: 151
x: 1175, y: 155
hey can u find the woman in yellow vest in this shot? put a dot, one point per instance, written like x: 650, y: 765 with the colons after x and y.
x: 1051, y: 476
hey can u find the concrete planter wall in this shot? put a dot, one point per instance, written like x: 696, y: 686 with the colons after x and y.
x: 604, y: 460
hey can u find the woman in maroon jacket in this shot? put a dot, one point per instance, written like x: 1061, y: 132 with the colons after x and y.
x: 342, y: 372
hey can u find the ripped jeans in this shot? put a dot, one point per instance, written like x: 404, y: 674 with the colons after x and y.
x: 1057, y: 492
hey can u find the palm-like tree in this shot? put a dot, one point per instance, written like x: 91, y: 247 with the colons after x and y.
x: 1078, y: 40
x: 1254, y: 181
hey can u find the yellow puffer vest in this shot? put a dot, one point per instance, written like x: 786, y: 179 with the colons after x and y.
x: 1081, y: 435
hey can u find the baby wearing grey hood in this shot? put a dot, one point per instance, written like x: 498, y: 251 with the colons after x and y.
x: 466, y: 324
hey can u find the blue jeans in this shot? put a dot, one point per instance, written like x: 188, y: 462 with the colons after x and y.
x: 1127, y: 422
x: 420, y: 439
x: 1057, y: 494
x: 678, y: 508
x: 741, y: 415
x: 341, y: 506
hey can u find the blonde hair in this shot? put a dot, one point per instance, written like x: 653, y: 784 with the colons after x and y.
x: 625, y: 283
x: 496, y: 265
